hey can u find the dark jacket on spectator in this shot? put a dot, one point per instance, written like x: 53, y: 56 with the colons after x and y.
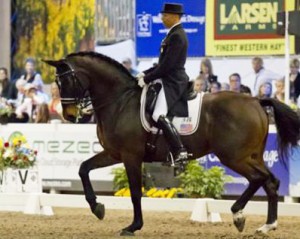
x: 296, y: 88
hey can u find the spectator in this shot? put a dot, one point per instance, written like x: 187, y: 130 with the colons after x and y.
x: 33, y: 98
x: 294, y: 79
x: 31, y: 76
x: 265, y: 90
x: 225, y: 86
x: 200, y: 84
x: 206, y: 71
x: 261, y: 74
x: 245, y: 90
x: 20, y: 84
x: 279, y: 92
x: 7, y: 88
x: 42, y: 114
x: 55, y: 107
x: 127, y: 63
x: 215, y: 87
x: 235, y: 82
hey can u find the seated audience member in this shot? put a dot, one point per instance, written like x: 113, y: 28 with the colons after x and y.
x: 279, y: 91
x: 31, y: 76
x: 7, y: 88
x: 55, y: 107
x: 235, y: 82
x: 31, y: 101
x: 200, y: 84
x: 206, y: 71
x: 20, y: 84
x: 215, y: 87
x: 265, y: 90
x: 245, y: 90
x: 225, y: 86
x: 42, y: 114
x: 127, y: 63
x: 294, y: 79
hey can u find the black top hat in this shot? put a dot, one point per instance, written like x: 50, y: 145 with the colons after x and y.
x: 173, y: 8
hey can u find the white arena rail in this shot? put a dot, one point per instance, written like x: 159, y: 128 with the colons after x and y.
x: 202, y: 209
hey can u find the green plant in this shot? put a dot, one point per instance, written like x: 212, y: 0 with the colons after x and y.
x: 199, y: 182
x: 120, y: 178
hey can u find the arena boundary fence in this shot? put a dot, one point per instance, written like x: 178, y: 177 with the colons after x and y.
x: 203, y: 210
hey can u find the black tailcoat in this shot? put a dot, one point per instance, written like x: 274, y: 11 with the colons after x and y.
x: 170, y: 69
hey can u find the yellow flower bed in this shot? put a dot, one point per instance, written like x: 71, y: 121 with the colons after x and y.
x: 152, y: 192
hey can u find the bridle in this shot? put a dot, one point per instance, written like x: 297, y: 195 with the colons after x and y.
x: 82, y: 99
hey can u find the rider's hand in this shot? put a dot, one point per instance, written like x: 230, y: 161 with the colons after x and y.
x: 141, y: 82
x: 140, y: 75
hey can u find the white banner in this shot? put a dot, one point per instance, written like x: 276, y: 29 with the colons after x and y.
x: 61, y: 148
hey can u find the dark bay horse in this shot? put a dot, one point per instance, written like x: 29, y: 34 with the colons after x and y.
x: 233, y: 126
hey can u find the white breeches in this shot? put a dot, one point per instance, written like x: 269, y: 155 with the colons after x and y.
x: 161, y: 107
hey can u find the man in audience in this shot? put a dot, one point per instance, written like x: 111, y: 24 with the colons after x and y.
x: 200, y: 84
x: 235, y: 82
x: 262, y: 75
x: 127, y: 63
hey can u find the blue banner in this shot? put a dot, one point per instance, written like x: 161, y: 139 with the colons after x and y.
x: 150, y: 30
x: 238, y: 184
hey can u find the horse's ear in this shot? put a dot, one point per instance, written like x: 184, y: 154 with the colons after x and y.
x: 52, y: 63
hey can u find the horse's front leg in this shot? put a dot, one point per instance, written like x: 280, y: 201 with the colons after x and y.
x: 134, y: 172
x: 103, y: 159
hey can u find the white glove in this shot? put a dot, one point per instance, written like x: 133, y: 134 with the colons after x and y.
x: 141, y: 82
x: 140, y: 75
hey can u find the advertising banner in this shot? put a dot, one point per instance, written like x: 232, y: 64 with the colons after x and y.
x: 239, y: 183
x: 63, y: 147
x: 150, y: 30
x: 245, y: 27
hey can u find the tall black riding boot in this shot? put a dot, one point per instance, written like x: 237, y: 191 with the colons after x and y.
x: 178, y: 150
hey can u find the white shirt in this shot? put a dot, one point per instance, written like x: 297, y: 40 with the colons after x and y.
x: 262, y: 77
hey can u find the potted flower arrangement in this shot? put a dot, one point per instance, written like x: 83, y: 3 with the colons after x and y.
x: 16, y: 158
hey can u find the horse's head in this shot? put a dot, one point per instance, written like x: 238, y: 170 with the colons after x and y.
x: 73, y: 89
x: 88, y: 77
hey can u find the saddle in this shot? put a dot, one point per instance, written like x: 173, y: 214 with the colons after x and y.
x: 153, y: 91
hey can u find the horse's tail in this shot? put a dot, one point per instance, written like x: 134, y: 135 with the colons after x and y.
x: 287, y: 123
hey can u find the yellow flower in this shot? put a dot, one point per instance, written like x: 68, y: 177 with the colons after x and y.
x: 1, y: 144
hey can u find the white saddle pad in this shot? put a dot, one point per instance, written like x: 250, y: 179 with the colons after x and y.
x: 184, y: 125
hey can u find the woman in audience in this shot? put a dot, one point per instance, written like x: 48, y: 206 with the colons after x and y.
x: 42, y: 114
x: 265, y: 90
x: 279, y: 92
x: 294, y: 79
x: 7, y: 88
x: 31, y: 76
x: 55, y: 107
x: 206, y: 71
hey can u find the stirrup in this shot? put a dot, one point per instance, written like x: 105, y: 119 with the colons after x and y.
x: 182, y: 157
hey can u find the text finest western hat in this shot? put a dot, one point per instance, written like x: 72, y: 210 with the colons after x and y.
x: 173, y: 8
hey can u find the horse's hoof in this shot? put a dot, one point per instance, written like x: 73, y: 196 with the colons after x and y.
x: 99, y: 211
x: 126, y: 233
x: 239, y: 220
x: 266, y: 228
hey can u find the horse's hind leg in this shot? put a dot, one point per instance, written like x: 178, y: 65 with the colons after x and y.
x: 257, y: 176
x: 100, y: 160
x: 271, y: 187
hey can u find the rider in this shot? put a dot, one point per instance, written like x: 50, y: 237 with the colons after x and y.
x: 170, y: 71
